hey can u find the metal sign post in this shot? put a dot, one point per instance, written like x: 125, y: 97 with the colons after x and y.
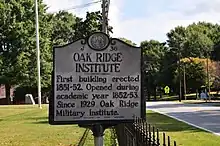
x: 98, y: 133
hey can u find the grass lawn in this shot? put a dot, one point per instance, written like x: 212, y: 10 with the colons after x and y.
x: 183, y: 134
x: 27, y: 125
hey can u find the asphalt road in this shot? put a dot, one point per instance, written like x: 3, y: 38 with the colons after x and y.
x: 202, y: 116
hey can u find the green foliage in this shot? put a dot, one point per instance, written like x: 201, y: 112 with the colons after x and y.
x: 195, y: 75
x: 63, y: 24
x: 92, y: 23
x: 128, y: 41
x: 153, y: 55
x: 192, y: 41
x: 216, y: 53
x: 199, y: 42
x: 18, y: 40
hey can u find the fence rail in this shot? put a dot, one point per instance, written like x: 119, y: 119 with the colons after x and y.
x: 140, y: 133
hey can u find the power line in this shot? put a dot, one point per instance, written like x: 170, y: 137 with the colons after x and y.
x: 79, y: 6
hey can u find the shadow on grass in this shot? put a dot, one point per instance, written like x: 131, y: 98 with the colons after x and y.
x: 24, y: 118
x: 37, y: 118
x: 166, y: 124
x: 40, y: 122
x: 172, y: 98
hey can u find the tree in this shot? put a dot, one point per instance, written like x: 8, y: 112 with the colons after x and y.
x: 63, y: 31
x: 92, y: 23
x: 216, y: 52
x: 153, y: 53
x: 68, y: 28
x: 17, y: 49
x: 18, y: 39
x: 196, y: 72
x: 192, y: 41
x: 176, y: 40
x: 216, y: 82
x: 199, y: 42
x: 195, y: 40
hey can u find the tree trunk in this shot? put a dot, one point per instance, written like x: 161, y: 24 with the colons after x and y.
x: 8, y: 93
x: 155, y: 93
x: 161, y: 94
x: 197, y: 95
x: 148, y: 94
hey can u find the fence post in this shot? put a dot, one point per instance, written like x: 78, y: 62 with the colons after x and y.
x: 149, y: 133
x: 136, y: 131
x: 146, y: 132
x: 168, y: 140
x: 164, y: 139
x: 154, y: 140
x: 174, y: 143
x: 158, y: 138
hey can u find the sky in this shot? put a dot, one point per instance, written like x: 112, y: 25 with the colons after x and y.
x: 139, y: 20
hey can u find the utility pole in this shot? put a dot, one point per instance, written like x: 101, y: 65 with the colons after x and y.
x: 208, y: 81
x: 184, y: 80
x: 180, y: 82
x: 105, y: 10
x: 38, y: 55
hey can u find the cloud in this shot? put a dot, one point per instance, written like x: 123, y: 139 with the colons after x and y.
x: 153, y: 18
x: 161, y: 18
x: 204, y: 7
x: 72, y: 6
x: 114, y: 15
x: 56, y: 5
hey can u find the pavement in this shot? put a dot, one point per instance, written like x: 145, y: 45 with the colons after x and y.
x: 205, y: 117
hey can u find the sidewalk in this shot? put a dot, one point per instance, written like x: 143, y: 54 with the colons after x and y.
x: 206, y: 117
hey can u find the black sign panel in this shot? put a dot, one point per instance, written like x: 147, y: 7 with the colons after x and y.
x: 97, y: 79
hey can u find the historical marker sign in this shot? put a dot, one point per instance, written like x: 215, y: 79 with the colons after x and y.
x: 96, y: 79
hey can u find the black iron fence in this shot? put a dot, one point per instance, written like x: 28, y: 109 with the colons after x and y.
x: 140, y: 133
x: 84, y: 137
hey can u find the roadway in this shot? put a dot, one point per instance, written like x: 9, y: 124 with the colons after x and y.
x: 205, y: 117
